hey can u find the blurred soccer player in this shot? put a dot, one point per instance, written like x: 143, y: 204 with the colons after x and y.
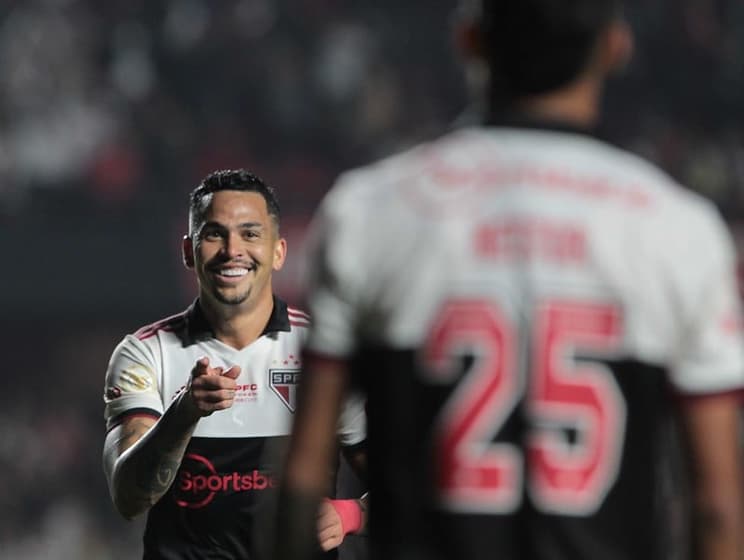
x: 198, y: 405
x: 525, y: 305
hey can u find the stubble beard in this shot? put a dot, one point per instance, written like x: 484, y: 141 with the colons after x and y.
x: 232, y: 296
x: 231, y: 299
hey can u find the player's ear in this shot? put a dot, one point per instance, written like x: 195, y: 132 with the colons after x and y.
x: 468, y: 38
x: 280, y: 253
x: 616, y: 46
x: 187, y: 252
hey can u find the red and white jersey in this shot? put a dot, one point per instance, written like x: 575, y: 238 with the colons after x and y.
x: 234, y: 455
x: 519, y: 304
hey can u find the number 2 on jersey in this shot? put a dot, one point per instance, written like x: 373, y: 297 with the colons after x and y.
x: 565, y: 393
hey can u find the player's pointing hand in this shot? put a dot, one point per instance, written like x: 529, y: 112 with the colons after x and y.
x: 211, y: 388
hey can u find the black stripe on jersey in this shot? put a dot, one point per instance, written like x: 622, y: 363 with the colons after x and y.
x: 221, y: 504
x: 401, y: 410
x: 131, y: 413
x: 360, y: 446
x: 522, y: 120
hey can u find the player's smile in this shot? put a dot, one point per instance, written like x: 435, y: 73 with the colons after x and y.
x: 232, y: 274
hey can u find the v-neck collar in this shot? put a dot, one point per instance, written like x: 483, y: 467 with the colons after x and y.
x: 198, y: 328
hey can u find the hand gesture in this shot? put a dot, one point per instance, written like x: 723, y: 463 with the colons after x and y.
x: 210, y: 388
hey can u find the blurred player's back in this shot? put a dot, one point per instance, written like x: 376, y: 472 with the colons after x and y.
x: 520, y: 300
x: 525, y: 288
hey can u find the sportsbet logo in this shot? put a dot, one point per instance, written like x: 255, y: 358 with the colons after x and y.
x: 199, y: 482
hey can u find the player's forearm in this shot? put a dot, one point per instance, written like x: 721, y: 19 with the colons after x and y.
x: 297, y: 510
x: 309, y: 458
x: 718, y: 528
x: 712, y: 427
x: 144, y: 472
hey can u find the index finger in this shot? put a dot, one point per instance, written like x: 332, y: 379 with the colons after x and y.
x: 201, y: 367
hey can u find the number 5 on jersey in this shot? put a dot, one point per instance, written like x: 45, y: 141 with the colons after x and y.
x: 475, y: 474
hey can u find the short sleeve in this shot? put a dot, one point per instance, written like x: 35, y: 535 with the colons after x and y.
x: 352, y: 424
x: 333, y: 272
x: 711, y: 357
x: 131, y: 384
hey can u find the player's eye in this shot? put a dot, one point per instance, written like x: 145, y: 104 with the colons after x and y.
x: 250, y: 234
x: 211, y: 234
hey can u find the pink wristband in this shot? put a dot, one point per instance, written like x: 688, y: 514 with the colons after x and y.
x: 350, y: 514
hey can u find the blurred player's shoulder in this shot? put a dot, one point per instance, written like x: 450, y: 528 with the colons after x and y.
x: 645, y: 174
x: 477, y: 161
x: 594, y: 166
x: 379, y: 185
x: 665, y: 196
x: 387, y: 173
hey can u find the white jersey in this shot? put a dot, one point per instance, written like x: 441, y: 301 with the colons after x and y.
x: 234, y: 454
x: 523, y: 274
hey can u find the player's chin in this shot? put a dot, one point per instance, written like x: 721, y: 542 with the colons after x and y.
x: 231, y: 296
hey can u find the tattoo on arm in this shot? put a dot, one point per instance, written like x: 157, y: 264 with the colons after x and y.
x: 156, y: 467
x: 156, y: 473
x: 130, y: 434
x: 132, y: 431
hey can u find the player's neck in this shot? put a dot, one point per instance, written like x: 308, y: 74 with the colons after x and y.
x: 240, y: 325
x: 576, y: 104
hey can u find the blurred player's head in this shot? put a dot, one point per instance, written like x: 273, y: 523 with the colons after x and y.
x: 233, y: 242
x: 538, y: 47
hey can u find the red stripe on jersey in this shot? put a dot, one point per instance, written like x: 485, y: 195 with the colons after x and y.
x: 168, y: 324
x: 692, y: 398
x: 316, y: 359
x: 299, y: 323
x: 296, y: 313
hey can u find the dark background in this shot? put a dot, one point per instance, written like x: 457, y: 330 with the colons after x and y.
x: 112, y: 111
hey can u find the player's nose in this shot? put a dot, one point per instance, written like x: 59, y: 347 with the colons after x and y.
x: 233, y: 247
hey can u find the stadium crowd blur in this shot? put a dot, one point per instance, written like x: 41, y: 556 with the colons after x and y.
x: 110, y: 112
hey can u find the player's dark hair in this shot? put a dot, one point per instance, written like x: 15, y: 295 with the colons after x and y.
x: 534, y: 46
x: 230, y: 180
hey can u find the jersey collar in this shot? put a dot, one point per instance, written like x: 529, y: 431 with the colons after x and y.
x: 279, y: 319
x: 198, y: 327
x: 521, y: 120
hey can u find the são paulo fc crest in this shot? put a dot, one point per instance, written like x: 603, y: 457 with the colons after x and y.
x: 284, y: 383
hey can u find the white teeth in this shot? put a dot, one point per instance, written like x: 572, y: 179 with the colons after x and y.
x: 234, y: 271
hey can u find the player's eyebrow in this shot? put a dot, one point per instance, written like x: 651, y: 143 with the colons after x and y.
x: 244, y: 225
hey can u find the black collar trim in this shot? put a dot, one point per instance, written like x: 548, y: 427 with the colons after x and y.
x: 520, y: 120
x: 199, y: 328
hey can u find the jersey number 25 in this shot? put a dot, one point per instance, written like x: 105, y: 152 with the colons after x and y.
x: 564, y: 476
